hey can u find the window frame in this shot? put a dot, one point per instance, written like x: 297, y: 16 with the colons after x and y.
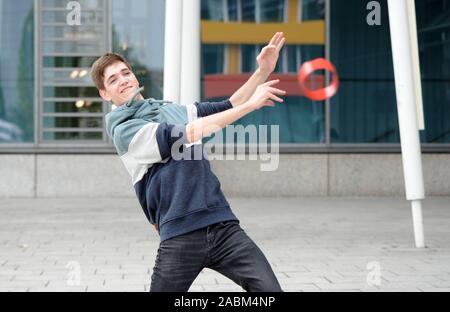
x: 40, y: 82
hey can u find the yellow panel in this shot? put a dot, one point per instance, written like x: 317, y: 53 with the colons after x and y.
x: 292, y: 11
x: 308, y: 32
x: 233, y: 59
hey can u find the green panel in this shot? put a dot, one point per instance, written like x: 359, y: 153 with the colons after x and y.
x: 364, y: 109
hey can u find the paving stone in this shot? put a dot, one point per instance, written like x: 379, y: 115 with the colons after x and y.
x: 312, y: 244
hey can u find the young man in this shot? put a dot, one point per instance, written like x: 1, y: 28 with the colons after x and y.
x: 182, y: 197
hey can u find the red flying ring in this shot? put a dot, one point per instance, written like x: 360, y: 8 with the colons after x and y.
x: 320, y: 94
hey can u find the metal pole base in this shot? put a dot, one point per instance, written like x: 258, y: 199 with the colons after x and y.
x: 419, y: 237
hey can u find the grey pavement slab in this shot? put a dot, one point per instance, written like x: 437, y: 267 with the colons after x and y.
x: 312, y: 243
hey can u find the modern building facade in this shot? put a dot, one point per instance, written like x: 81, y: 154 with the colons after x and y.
x: 52, y: 134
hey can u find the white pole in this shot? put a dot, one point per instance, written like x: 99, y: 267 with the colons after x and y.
x: 416, y: 63
x: 418, y: 223
x: 407, y: 113
x: 172, y: 51
x: 190, y: 53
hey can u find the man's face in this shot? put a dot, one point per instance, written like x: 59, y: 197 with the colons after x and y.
x: 120, y: 84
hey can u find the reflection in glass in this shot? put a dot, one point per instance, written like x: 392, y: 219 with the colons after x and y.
x: 87, y: 17
x: 213, y: 55
x: 365, y: 108
x: 92, y: 46
x: 141, y: 41
x: 82, y: 106
x: 62, y: 4
x: 298, y: 54
x: 433, y: 22
x: 73, y: 122
x: 233, y: 8
x: 248, y: 11
x: 70, y: 76
x: 71, y: 136
x: 212, y: 10
x: 299, y: 119
x: 70, y: 92
x: 313, y: 10
x: 59, y: 61
x: 16, y: 71
x: 249, y: 54
x: 272, y: 10
x: 81, y: 32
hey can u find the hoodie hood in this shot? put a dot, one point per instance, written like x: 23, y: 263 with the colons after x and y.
x: 148, y: 110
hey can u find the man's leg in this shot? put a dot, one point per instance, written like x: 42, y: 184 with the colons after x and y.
x: 178, y: 263
x: 236, y: 256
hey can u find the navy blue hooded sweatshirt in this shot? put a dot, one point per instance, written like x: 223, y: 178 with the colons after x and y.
x: 178, y: 194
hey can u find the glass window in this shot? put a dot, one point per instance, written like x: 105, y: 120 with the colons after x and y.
x: 73, y: 122
x: 433, y: 22
x: 365, y: 108
x: 248, y: 58
x: 272, y: 10
x: 71, y: 136
x: 212, y: 10
x: 60, y: 16
x: 314, y: 9
x: 299, y: 119
x: 233, y: 9
x: 62, y: 4
x: 213, y: 59
x: 71, y: 107
x: 144, y: 50
x: 17, y: 71
x: 78, y: 33
x: 70, y: 92
x: 68, y: 61
x: 248, y: 12
x: 66, y: 76
x: 298, y: 54
x: 91, y: 47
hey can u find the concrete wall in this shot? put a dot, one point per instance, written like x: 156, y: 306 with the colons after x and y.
x: 297, y: 175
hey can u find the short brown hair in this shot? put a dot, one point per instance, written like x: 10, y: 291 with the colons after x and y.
x: 100, y: 65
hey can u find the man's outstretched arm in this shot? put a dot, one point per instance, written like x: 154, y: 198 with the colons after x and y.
x: 264, y: 95
x: 267, y: 61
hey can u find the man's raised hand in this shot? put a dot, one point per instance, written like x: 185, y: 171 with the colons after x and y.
x: 267, y: 59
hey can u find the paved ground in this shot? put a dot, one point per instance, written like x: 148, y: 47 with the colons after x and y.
x: 313, y: 244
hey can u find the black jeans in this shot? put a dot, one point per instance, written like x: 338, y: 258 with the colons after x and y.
x: 223, y: 247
